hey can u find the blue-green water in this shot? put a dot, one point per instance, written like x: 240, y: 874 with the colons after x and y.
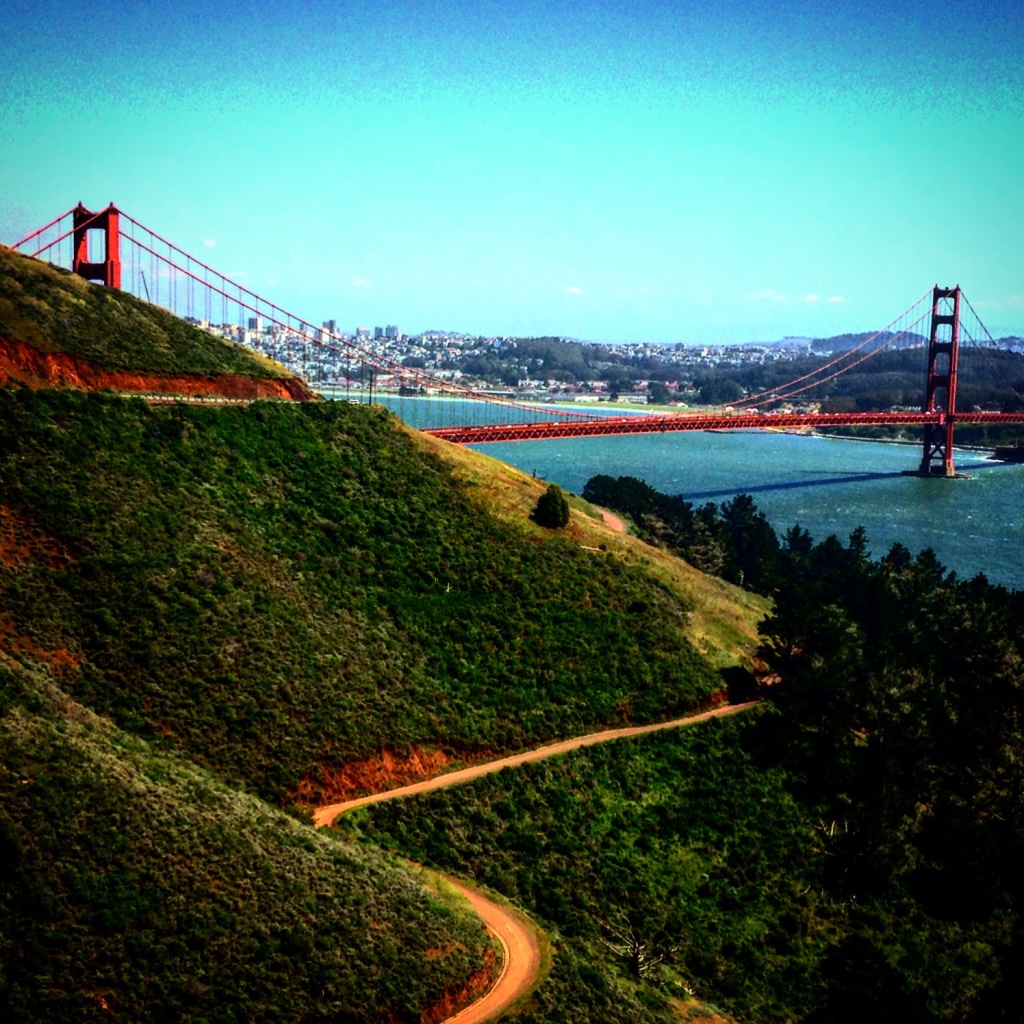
x: 825, y: 485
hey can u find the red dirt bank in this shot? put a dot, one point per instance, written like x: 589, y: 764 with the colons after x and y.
x: 380, y: 772
x: 26, y: 364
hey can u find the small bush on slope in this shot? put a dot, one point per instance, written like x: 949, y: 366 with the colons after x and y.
x: 55, y: 311
x: 135, y: 888
x: 552, y: 509
x: 280, y: 588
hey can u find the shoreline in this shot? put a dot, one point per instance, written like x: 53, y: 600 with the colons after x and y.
x: 901, y: 440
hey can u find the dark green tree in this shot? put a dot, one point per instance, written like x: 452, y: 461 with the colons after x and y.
x: 552, y: 510
x: 657, y: 393
x: 721, y: 392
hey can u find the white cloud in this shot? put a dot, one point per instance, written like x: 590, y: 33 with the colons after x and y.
x: 836, y: 298
x: 361, y: 282
x: 209, y: 242
x: 812, y: 298
x: 770, y: 294
x: 573, y: 290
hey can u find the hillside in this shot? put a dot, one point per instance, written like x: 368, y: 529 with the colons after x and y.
x: 282, y: 590
x: 215, y: 618
x: 205, y: 608
x: 136, y: 887
x: 58, y: 330
x: 850, y: 851
x: 675, y: 838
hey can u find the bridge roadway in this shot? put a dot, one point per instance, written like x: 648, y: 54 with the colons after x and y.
x: 642, y: 423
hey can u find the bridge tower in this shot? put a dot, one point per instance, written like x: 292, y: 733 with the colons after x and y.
x: 940, y: 384
x: 108, y: 271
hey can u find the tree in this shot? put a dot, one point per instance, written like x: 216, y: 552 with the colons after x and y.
x: 657, y: 393
x: 640, y: 958
x: 552, y: 510
x: 751, y: 545
x: 721, y: 392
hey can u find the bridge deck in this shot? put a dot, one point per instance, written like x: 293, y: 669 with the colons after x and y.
x: 659, y: 424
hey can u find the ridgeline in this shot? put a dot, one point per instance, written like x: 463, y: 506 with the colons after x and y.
x: 57, y: 330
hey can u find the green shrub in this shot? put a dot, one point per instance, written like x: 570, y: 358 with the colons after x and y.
x: 552, y: 510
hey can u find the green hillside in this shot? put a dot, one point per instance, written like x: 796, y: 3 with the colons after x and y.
x: 134, y: 887
x: 202, y: 609
x: 677, y: 837
x: 55, y: 311
x: 849, y: 852
x: 278, y: 590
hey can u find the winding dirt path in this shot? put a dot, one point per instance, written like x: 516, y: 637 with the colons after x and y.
x: 521, y: 960
x: 326, y: 815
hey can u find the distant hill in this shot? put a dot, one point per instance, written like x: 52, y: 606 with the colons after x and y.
x: 58, y: 330
x: 844, y: 342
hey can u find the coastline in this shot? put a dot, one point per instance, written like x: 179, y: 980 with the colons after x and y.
x: 901, y: 440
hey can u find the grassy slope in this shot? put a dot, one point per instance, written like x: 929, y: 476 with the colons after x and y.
x: 277, y: 589
x: 134, y: 887
x: 722, y: 619
x: 56, y: 311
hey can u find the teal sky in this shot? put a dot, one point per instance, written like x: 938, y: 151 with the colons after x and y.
x: 723, y: 171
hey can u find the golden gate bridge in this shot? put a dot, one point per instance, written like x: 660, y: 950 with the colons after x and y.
x: 111, y: 248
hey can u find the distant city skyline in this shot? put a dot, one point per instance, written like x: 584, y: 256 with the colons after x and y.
x: 734, y: 172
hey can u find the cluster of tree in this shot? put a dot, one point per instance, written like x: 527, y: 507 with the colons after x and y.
x: 732, y: 540
x: 902, y: 697
x: 561, y: 360
x: 900, y: 689
x: 990, y: 378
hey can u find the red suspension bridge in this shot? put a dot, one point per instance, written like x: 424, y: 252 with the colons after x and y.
x: 111, y: 248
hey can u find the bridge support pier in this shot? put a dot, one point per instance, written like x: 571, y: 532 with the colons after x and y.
x: 940, y: 384
x: 108, y: 221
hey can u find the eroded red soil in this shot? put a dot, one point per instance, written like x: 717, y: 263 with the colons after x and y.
x: 476, y: 985
x: 22, y: 544
x: 58, y: 659
x: 26, y: 364
x: 379, y: 773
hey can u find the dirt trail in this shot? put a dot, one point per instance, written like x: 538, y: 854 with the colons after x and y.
x: 612, y: 521
x: 520, y: 961
x: 326, y: 815
x: 520, y: 949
